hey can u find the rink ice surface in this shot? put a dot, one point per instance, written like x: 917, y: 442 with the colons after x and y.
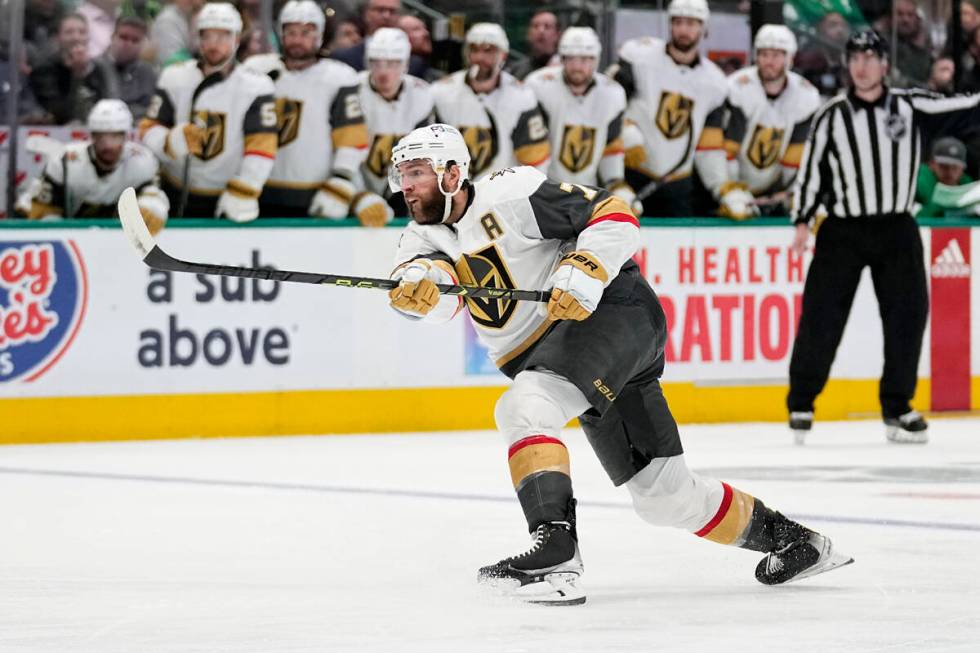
x: 371, y: 543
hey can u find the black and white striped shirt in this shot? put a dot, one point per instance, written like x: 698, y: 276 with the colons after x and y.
x: 861, y: 159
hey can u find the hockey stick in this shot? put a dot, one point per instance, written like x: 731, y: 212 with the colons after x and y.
x: 156, y: 258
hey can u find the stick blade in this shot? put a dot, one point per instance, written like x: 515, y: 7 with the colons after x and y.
x: 132, y: 223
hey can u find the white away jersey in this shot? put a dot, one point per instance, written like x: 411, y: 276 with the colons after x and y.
x: 82, y: 192
x: 766, y: 135
x: 584, y: 128
x: 512, y: 235
x: 237, y: 112
x: 671, y: 105
x: 502, y: 128
x: 389, y: 120
x: 319, y: 115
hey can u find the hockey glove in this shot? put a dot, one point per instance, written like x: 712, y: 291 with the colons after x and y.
x: 185, y: 138
x: 577, y: 286
x: 416, y: 293
x: 371, y: 209
x: 237, y: 206
x: 333, y: 199
x: 625, y: 192
x: 736, y: 202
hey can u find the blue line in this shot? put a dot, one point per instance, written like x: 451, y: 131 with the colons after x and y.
x: 420, y: 494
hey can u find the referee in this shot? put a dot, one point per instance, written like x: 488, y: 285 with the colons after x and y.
x: 860, y: 163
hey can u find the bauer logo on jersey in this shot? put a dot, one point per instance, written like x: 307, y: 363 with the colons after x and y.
x: 765, y: 146
x: 289, y: 113
x: 482, y: 145
x: 43, y: 293
x: 379, y: 156
x: 213, y: 124
x: 674, y: 114
x: 487, y: 268
x: 577, y: 147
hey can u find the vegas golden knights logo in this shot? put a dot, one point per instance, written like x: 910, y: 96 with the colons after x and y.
x: 379, y: 156
x: 577, y: 147
x: 290, y: 112
x: 765, y: 146
x: 482, y: 144
x: 486, y: 268
x: 213, y: 125
x: 674, y: 114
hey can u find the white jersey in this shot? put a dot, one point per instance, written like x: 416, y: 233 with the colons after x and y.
x: 502, y: 128
x: 321, y: 130
x: 585, y: 129
x: 238, y: 114
x: 72, y: 186
x: 677, y: 109
x: 765, y: 135
x: 512, y: 236
x: 389, y: 120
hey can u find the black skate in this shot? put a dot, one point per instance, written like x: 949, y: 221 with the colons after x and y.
x: 800, y: 424
x: 910, y: 428
x: 548, y: 573
x: 801, y: 553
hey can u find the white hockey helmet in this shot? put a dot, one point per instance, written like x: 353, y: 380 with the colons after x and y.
x: 437, y: 144
x: 109, y: 116
x: 697, y: 9
x: 488, y: 34
x: 304, y: 12
x: 388, y: 43
x: 580, y: 42
x: 219, y: 15
x: 775, y: 37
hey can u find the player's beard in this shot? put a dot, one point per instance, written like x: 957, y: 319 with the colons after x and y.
x: 300, y: 54
x: 427, y: 210
x: 684, y: 44
x: 481, y: 73
x: 767, y: 78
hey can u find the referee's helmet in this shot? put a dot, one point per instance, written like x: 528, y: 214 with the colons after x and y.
x: 867, y: 41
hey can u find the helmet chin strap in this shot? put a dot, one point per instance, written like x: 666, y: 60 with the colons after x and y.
x: 448, y: 207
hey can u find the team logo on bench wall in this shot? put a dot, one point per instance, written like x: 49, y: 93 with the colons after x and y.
x: 43, y: 297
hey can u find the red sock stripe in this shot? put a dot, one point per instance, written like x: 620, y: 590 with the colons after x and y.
x: 726, y: 503
x: 527, y: 442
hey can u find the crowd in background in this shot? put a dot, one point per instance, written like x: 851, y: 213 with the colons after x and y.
x: 76, y: 53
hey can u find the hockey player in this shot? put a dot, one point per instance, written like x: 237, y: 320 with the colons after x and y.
x: 394, y: 104
x: 498, y: 116
x: 595, y: 351
x: 770, y: 109
x: 675, y: 111
x: 322, y: 135
x: 86, y: 178
x: 212, y: 124
x: 584, y: 111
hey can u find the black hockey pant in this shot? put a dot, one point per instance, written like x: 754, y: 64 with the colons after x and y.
x: 892, y: 248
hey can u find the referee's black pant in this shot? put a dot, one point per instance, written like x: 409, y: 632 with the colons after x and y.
x: 892, y: 248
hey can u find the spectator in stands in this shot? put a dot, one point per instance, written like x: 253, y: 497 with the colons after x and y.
x: 41, y: 19
x: 28, y: 110
x: 819, y: 61
x: 941, y: 76
x: 135, y: 78
x: 171, y: 33
x: 377, y: 14
x: 69, y: 84
x: 946, y: 165
x: 101, y: 17
x: 343, y: 33
x: 542, y: 41
x: 421, y: 40
x: 913, y: 58
x: 970, y: 80
x: 254, y: 40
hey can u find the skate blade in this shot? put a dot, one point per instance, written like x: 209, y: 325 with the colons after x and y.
x: 833, y: 561
x: 552, y: 589
x: 897, y: 436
